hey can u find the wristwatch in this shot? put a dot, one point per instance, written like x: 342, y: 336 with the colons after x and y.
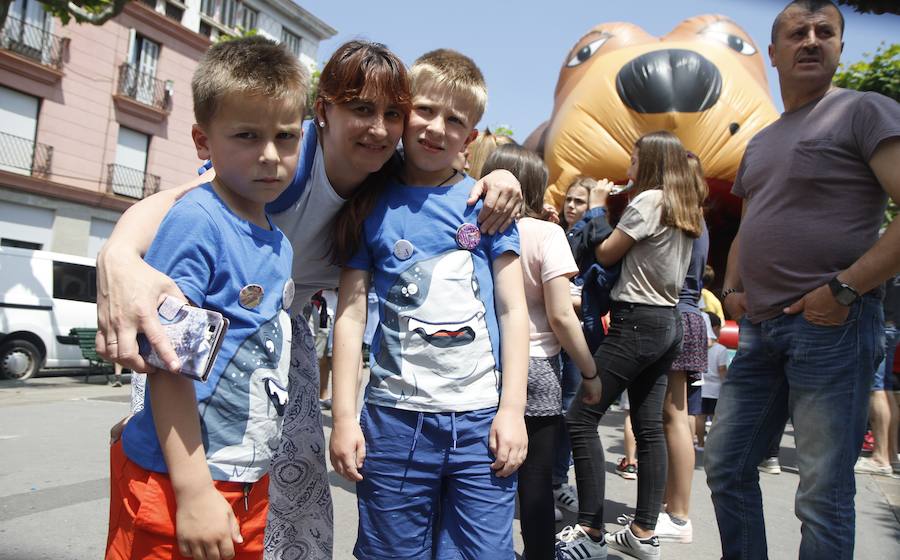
x: 843, y: 293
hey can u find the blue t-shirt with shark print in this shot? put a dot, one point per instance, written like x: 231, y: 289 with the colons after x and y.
x: 437, y: 344
x: 212, y: 255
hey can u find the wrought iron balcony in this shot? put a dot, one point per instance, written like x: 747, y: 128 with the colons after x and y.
x: 143, y: 87
x: 32, y: 42
x: 24, y: 156
x: 130, y: 182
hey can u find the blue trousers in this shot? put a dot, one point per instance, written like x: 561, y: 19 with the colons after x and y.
x: 428, y: 490
x: 821, y: 377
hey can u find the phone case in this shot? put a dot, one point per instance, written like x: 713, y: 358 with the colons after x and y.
x: 195, y: 333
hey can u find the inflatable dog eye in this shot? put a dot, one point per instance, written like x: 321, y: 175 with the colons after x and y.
x: 704, y: 81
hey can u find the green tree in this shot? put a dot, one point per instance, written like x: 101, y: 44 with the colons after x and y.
x: 502, y: 130
x: 96, y: 12
x: 872, y: 6
x: 880, y: 74
x: 241, y: 32
x: 312, y: 93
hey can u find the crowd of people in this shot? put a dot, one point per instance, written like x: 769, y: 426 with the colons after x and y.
x: 502, y: 331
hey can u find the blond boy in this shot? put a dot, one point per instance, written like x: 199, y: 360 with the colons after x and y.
x: 440, y: 442
x: 189, y: 472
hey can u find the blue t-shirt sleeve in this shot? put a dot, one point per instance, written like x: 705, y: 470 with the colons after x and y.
x: 508, y: 240
x: 185, y: 249
x: 362, y: 259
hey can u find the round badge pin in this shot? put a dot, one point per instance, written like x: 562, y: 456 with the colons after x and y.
x: 468, y: 236
x: 251, y: 295
x: 403, y: 249
x: 287, y: 294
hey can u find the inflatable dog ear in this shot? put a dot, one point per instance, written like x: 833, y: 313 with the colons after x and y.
x: 704, y: 81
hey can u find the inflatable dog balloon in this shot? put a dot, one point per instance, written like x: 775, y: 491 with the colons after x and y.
x: 704, y: 81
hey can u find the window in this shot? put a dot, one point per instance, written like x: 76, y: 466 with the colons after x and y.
x: 229, y: 12
x: 28, y: 224
x: 205, y: 29
x: 18, y: 128
x: 291, y: 41
x: 27, y: 28
x: 18, y: 244
x: 129, y: 171
x: 143, y: 56
x: 208, y: 7
x: 248, y: 17
x: 76, y: 282
x: 174, y: 11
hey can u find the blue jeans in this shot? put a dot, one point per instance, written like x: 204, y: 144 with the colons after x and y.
x: 820, y: 376
x: 885, y: 372
x: 571, y: 381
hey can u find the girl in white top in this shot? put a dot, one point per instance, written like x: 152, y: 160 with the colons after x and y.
x: 547, y: 265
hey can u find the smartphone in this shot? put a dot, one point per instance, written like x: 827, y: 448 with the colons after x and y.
x: 196, y: 335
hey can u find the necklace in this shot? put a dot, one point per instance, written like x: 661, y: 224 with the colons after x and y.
x: 452, y: 175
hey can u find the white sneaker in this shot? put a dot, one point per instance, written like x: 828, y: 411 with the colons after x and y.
x: 625, y: 541
x: 566, y: 497
x: 557, y: 515
x: 573, y: 543
x: 669, y: 531
x: 866, y: 465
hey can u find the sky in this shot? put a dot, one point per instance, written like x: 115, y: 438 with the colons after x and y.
x: 520, y: 44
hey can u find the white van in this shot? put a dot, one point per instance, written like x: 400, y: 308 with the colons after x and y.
x: 42, y: 296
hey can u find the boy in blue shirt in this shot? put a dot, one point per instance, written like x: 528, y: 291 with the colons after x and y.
x: 189, y: 473
x: 440, y: 442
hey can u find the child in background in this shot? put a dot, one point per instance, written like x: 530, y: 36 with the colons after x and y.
x: 547, y: 265
x: 712, y: 379
x: 435, y: 452
x: 189, y: 474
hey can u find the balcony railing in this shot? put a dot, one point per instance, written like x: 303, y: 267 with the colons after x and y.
x: 143, y: 87
x: 24, y: 156
x: 32, y: 42
x: 130, y: 182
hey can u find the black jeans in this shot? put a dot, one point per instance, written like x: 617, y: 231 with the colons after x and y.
x: 536, y: 486
x: 642, y: 343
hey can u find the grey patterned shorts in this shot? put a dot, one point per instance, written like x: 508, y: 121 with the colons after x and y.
x: 300, y: 525
x: 544, y: 389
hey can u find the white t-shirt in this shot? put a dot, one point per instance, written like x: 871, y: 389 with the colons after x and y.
x: 545, y: 255
x: 309, y: 225
x: 718, y: 357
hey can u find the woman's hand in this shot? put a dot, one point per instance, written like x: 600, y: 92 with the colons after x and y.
x: 128, y: 294
x: 502, y: 200
x: 599, y: 194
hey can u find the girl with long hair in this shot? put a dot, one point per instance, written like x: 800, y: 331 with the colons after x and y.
x: 653, y: 241
x: 547, y: 266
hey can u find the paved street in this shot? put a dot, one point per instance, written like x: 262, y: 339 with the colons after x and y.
x: 54, y: 487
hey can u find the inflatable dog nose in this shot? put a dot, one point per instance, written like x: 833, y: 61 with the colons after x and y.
x: 669, y: 80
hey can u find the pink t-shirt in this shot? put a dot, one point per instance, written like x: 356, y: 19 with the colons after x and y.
x: 545, y: 254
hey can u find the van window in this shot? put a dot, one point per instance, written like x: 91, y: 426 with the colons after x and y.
x: 76, y: 282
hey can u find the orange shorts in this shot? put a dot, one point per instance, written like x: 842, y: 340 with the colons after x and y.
x: 142, y: 513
